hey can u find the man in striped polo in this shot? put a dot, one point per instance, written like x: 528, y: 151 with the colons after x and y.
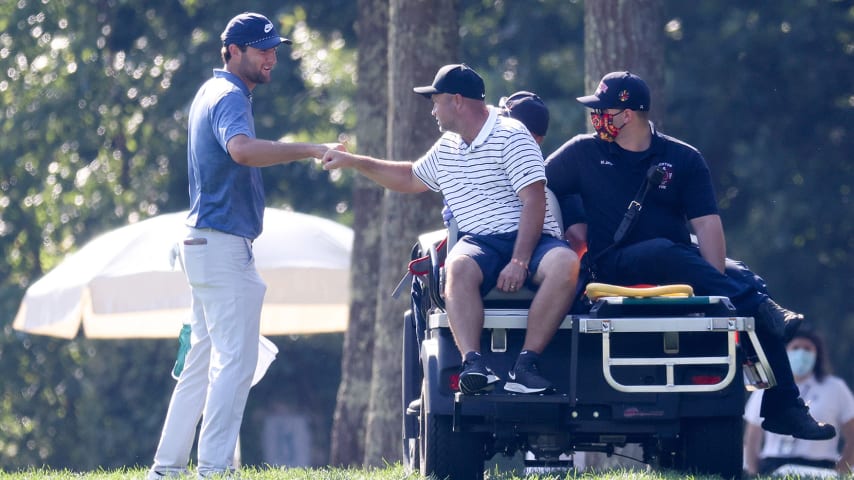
x: 492, y: 175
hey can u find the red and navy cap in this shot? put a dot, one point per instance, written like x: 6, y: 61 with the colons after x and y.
x: 619, y: 90
x: 252, y: 30
x: 457, y: 78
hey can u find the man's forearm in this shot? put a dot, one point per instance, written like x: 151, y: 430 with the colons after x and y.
x: 529, y: 234
x: 390, y: 174
x: 397, y: 176
x: 253, y: 152
x: 531, y: 221
x: 710, y: 238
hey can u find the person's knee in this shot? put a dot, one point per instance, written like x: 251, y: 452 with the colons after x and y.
x: 661, y: 254
x: 661, y: 247
x: 461, y: 272
x: 558, y: 265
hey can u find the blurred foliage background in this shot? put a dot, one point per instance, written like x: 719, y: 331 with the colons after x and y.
x: 94, y: 101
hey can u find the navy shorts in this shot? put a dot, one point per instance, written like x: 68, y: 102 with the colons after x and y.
x: 493, y: 252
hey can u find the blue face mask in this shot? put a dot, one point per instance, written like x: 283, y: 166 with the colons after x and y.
x: 802, y: 361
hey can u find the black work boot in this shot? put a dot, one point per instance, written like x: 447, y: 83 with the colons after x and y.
x: 781, y: 321
x: 797, y: 422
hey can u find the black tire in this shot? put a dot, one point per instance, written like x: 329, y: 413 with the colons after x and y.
x: 411, y: 455
x: 662, y: 456
x: 710, y: 446
x: 412, y: 380
x: 446, y: 454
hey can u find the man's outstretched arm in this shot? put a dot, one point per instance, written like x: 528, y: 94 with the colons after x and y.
x: 393, y: 175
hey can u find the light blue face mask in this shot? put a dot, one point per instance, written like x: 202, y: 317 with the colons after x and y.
x: 802, y: 361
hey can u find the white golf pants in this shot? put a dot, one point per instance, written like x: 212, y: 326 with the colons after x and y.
x: 227, y: 294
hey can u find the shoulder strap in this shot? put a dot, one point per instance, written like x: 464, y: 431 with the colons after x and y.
x: 654, y: 176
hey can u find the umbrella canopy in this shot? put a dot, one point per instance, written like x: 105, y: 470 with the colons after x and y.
x: 125, y: 284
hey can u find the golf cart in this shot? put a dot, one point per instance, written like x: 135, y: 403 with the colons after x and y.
x: 654, y: 366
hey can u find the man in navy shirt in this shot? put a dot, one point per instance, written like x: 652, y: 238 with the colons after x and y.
x: 607, y: 168
x: 224, y: 162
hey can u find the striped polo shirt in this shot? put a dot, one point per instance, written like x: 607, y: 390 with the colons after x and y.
x: 481, y: 181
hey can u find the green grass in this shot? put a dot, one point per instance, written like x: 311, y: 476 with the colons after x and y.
x: 394, y: 472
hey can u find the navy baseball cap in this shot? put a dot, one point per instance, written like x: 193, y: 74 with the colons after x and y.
x: 529, y: 109
x: 619, y: 90
x: 253, y: 30
x: 457, y: 78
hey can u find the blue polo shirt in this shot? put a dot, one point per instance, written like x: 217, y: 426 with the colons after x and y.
x: 224, y: 195
x: 607, y: 177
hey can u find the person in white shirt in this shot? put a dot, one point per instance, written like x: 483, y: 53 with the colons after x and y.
x: 830, y: 401
x: 492, y: 175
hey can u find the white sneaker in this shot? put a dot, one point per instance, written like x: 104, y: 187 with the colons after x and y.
x: 229, y: 474
x: 164, y: 473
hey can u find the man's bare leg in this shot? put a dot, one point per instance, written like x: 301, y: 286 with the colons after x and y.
x: 463, y: 302
x: 465, y: 315
x: 556, y: 276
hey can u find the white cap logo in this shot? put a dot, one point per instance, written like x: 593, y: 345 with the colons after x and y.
x: 268, y: 27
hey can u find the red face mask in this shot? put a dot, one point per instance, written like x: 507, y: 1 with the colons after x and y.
x: 603, y: 123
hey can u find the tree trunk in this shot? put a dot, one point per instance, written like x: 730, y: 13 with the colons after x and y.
x: 626, y: 35
x: 423, y: 36
x: 349, y: 424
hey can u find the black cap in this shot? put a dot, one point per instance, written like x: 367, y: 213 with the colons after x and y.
x: 619, y: 90
x: 529, y: 109
x: 253, y: 30
x: 456, y: 78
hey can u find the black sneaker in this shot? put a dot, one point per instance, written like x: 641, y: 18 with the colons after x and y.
x: 525, y: 378
x: 783, y: 322
x: 797, y: 422
x: 476, y: 376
